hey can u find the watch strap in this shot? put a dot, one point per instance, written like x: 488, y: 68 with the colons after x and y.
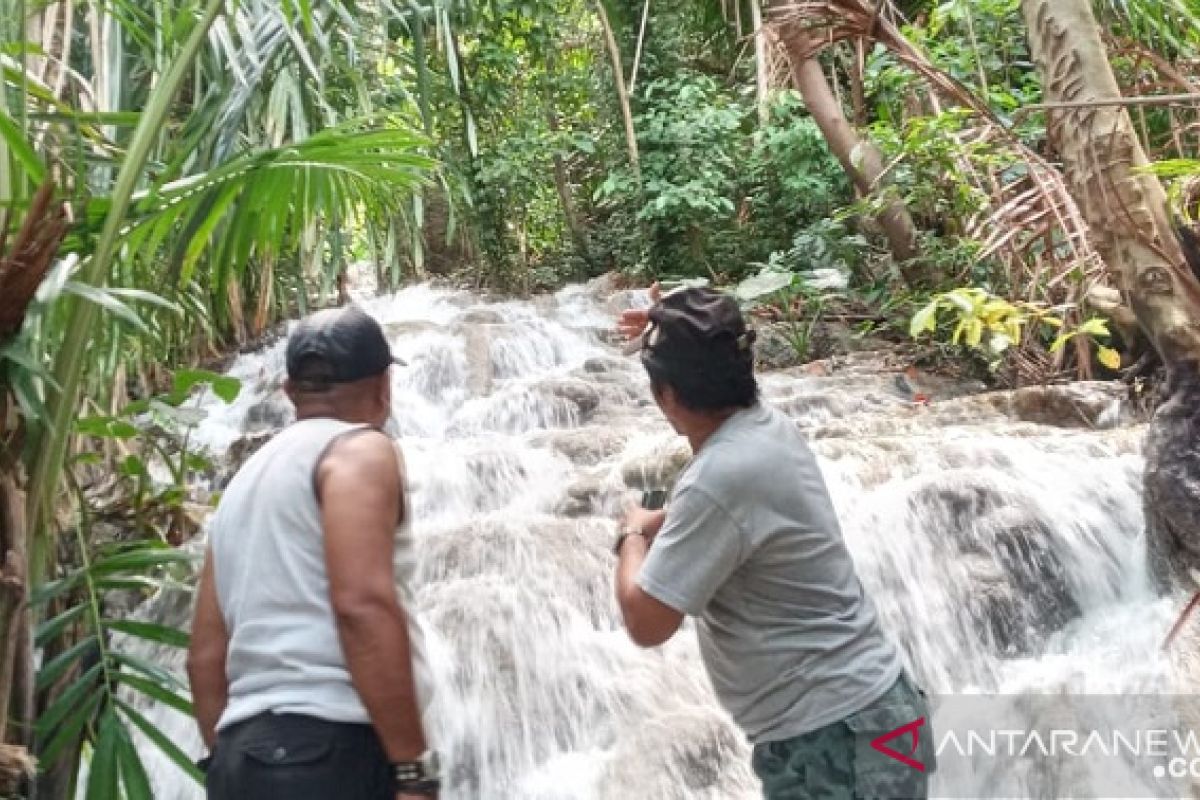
x: 626, y: 532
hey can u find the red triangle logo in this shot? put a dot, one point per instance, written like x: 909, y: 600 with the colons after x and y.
x: 914, y: 728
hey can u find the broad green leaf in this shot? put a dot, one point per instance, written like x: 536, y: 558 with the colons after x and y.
x: 52, y: 628
x: 160, y: 740
x: 974, y: 332
x: 70, y: 702
x: 141, y: 559
x: 133, y: 772
x: 106, y: 428
x: 224, y: 386
x: 151, y: 631
x: 20, y: 147
x: 156, y: 691
x: 960, y: 298
x: 105, y: 299
x: 764, y: 284
x: 142, y: 296
x: 60, y: 738
x: 1108, y: 357
x: 49, y: 674
x: 55, y: 588
x: 150, y: 670
x: 103, y: 770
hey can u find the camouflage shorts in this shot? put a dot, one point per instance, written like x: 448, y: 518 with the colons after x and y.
x: 839, y: 761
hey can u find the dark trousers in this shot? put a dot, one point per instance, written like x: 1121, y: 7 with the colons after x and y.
x: 293, y: 757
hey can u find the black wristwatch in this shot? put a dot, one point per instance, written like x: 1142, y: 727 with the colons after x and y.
x: 422, y: 777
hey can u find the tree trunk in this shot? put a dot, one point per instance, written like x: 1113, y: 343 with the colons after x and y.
x: 13, y: 586
x: 762, y: 62
x: 1131, y: 228
x: 859, y: 157
x: 614, y: 56
x: 566, y: 197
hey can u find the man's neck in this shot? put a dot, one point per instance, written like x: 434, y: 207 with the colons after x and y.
x: 706, y: 425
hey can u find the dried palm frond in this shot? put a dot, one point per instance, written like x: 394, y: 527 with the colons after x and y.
x: 33, y: 248
x: 16, y: 766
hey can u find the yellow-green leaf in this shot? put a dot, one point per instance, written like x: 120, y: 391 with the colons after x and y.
x: 1108, y: 357
x: 1095, y: 327
x: 924, y: 320
x: 974, y: 332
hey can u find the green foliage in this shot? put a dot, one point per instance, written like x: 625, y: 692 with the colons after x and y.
x: 797, y: 298
x: 92, y: 681
x: 793, y: 178
x: 90, y: 673
x: 988, y: 325
x: 154, y: 433
x: 718, y: 195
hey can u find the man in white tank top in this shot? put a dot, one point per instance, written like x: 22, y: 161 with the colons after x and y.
x: 306, y: 663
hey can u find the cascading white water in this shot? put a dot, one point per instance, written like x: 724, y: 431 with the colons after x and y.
x: 1004, y: 555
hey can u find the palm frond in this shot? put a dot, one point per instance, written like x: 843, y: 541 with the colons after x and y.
x: 1169, y: 27
x: 258, y: 206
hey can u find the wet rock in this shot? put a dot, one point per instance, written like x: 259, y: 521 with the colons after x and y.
x: 774, y: 348
x: 1018, y: 588
x: 238, y: 453
x: 585, y: 497
x: 1040, y: 600
x: 584, y: 397
x: 270, y: 414
x: 477, y: 348
x: 1172, y: 481
x: 584, y: 446
x: 603, y: 365
x: 408, y: 327
x: 479, y: 315
x: 657, y: 469
x: 1091, y: 404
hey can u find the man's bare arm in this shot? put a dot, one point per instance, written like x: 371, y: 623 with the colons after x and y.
x: 650, y: 621
x: 206, y: 657
x: 360, y: 488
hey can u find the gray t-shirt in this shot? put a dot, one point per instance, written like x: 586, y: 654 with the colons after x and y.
x: 752, y: 547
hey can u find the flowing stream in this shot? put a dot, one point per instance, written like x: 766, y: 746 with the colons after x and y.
x: 1005, y: 554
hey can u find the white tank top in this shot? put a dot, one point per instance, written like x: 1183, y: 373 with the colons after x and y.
x: 272, y: 585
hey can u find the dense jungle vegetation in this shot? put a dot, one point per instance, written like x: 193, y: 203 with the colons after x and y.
x: 178, y: 176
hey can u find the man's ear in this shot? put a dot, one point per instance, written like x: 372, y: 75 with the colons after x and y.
x: 667, y: 398
x: 289, y: 389
x: 385, y: 390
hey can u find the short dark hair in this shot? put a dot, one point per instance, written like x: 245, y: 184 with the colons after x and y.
x: 706, y: 390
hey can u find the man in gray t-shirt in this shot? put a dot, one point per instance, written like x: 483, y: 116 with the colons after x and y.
x: 751, y: 547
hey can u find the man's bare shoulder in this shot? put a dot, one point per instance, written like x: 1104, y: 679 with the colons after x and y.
x: 367, y: 450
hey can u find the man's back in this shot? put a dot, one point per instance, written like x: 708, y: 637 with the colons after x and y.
x: 273, y: 586
x: 753, y: 548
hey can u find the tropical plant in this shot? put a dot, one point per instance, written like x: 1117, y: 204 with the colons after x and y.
x: 122, y: 552
x: 989, y: 326
x: 798, y: 299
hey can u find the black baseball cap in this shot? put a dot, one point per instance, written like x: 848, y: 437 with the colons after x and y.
x: 696, y: 328
x: 338, y: 345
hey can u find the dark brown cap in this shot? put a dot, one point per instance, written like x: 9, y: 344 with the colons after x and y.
x: 696, y: 327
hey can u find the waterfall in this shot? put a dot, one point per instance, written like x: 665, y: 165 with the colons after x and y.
x: 1004, y: 554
